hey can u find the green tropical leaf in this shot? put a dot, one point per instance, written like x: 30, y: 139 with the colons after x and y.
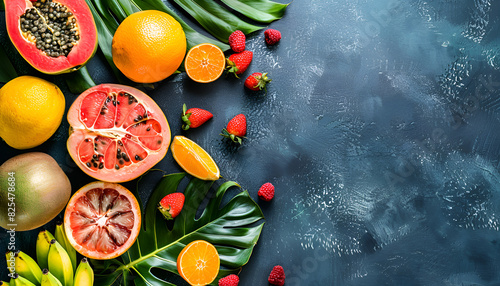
x: 217, y: 20
x: 193, y: 37
x: 7, y: 72
x: 263, y: 11
x: 79, y: 80
x: 233, y: 228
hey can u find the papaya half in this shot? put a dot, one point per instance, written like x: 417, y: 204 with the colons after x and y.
x: 54, y: 36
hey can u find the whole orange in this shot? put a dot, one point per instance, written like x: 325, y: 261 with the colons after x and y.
x: 148, y: 46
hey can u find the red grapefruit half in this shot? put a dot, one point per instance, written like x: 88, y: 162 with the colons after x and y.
x: 102, y: 220
x: 116, y: 132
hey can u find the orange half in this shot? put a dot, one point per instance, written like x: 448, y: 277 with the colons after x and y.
x: 205, y: 63
x: 194, y: 159
x: 198, y: 263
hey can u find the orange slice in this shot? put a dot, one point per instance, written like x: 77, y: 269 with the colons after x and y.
x: 198, y: 263
x: 205, y: 63
x: 194, y: 159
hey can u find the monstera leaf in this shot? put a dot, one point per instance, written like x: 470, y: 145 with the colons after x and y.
x: 233, y: 228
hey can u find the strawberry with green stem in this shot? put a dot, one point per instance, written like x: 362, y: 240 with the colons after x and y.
x: 194, y: 117
x: 236, y: 128
x: 257, y: 81
x: 238, y: 63
x: 171, y: 205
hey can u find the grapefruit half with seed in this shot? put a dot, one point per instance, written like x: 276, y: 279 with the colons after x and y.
x: 116, y: 132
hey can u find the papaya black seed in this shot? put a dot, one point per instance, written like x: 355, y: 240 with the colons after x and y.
x: 88, y: 164
x: 101, y: 165
x: 138, y: 158
x: 121, y: 162
x: 47, y: 32
x: 117, y: 167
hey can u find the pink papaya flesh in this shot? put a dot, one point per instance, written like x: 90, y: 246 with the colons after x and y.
x: 54, y: 36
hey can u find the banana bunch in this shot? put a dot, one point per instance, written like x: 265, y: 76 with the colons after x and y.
x: 56, y: 263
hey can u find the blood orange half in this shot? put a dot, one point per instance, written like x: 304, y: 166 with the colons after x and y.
x: 117, y: 132
x: 102, y: 220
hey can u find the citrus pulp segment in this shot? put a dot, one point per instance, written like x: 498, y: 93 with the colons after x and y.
x: 198, y: 263
x: 205, y: 63
x: 102, y: 220
x: 194, y: 159
x: 117, y: 132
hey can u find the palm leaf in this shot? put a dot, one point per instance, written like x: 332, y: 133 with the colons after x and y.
x: 233, y: 228
x: 7, y: 72
x: 263, y: 11
x: 217, y: 20
x: 193, y: 37
x: 79, y: 80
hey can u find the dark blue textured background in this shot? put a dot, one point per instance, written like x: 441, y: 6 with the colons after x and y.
x: 379, y: 131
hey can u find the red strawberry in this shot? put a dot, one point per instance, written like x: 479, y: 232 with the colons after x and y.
x: 277, y: 276
x: 237, y: 41
x: 266, y: 192
x: 272, y: 36
x: 194, y: 117
x: 171, y: 205
x: 230, y: 280
x: 257, y: 81
x: 236, y: 128
x: 238, y: 63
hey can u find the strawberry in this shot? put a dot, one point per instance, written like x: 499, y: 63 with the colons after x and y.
x: 236, y: 128
x: 238, y: 63
x: 277, y: 276
x: 257, y: 81
x: 272, y: 36
x: 194, y: 117
x: 266, y: 192
x: 230, y: 280
x: 171, y: 205
x: 237, y: 41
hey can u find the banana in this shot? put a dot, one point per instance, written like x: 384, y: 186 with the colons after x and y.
x: 42, y: 248
x: 48, y: 279
x: 60, y: 263
x: 18, y: 280
x: 84, y: 275
x: 26, y: 267
x: 61, y: 237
